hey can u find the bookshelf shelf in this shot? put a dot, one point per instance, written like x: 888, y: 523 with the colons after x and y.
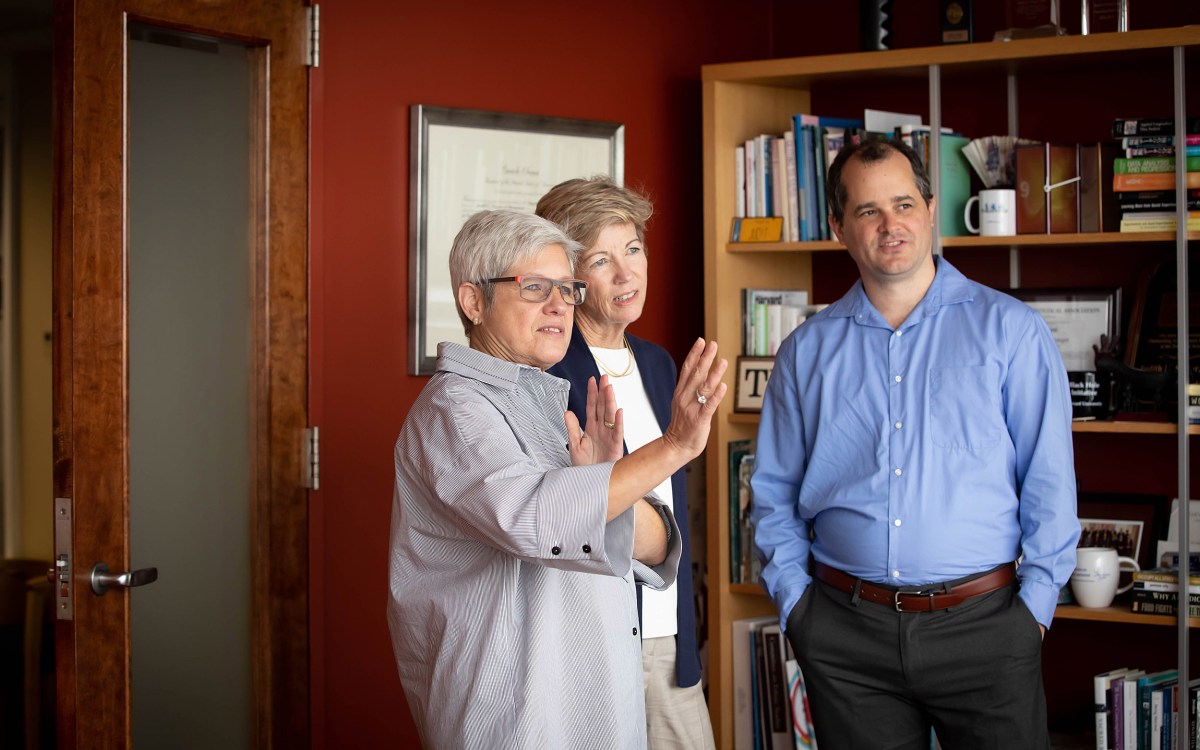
x: 1116, y: 613
x: 744, y: 99
x: 1088, y: 239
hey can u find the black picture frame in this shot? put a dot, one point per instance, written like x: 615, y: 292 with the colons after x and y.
x: 1151, y: 511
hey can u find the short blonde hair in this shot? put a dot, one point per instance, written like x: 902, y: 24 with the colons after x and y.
x: 492, y: 242
x: 584, y: 207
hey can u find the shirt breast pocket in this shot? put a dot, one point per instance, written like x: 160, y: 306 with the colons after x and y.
x: 964, y: 407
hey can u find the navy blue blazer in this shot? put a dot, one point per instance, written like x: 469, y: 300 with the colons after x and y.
x: 658, y: 375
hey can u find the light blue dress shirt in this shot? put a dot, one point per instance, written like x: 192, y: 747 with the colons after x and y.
x: 918, y: 454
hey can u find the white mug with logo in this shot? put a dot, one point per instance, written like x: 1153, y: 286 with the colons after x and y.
x: 997, y: 213
x: 1097, y: 569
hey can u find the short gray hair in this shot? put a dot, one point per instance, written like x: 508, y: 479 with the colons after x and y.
x: 492, y: 242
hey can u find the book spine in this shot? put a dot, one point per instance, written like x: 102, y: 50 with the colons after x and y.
x: 1152, y: 165
x: 1151, y: 126
x: 1153, y: 181
x: 739, y: 181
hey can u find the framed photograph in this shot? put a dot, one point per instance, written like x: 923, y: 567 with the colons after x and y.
x: 1131, y: 524
x: 1078, y: 318
x: 463, y: 161
x: 752, y: 375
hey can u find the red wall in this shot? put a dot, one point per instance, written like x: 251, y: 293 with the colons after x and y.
x: 633, y: 62
x: 627, y: 61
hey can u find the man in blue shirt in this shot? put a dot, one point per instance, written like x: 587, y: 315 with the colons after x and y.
x: 915, y: 442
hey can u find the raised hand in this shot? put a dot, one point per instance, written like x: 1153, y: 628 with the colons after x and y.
x: 604, y: 437
x: 697, y: 395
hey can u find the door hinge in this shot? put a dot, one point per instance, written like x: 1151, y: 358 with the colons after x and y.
x: 312, y: 458
x: 314, y: 36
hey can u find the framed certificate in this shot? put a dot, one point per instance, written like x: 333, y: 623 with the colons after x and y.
x: 1078, y: 318
x: 463, y: 161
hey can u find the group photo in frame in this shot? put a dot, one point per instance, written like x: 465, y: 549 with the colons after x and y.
x: 1130, y: 523
x: 1081, y: 321
x: 463, y: 161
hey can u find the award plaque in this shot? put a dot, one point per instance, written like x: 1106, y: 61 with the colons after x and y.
x: 1153, y: 333
x: 956, y: 22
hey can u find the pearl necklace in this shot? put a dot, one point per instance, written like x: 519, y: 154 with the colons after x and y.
x: 628, y: 368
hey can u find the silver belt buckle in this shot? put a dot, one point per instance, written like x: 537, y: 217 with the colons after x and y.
x: 896, y: 601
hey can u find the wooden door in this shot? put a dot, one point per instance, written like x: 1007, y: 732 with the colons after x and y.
x: 92, y: 361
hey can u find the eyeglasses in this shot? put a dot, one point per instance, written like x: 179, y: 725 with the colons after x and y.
x: 538, y: 288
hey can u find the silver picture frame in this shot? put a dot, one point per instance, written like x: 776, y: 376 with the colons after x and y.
x: 463, y: 161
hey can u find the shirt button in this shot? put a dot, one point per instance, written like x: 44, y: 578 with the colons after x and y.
x: 899, y: 333
x: 898, y: 378
x: 635, y: 631
x: 899, y: 425
x: 898, y: 473
x: 897, y: 522
x: 895, y: 574
x: 587, y: 549
x: 555, y: 550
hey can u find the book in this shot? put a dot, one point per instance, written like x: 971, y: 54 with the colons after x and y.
x: 1062, y: 197
x: 1165, y: 575
x: 750, y: 147
x: 1098, y: 207
x: 1153, y: 200
x: 757, y: 229
x: 1152, y: 126
x: 1152, y: 164
x: 802, y: 726
x: 793, y: 188
x: 739, y: 181
x: 955, y: 187
x: 1162, y: 603
x: 1139, y: 141
x: 737, y: 510
x: 1125, y: 722
x: 1146, y: 685
x: 1154, y: 181
x: 1031, y: 194
x: 743, y: 680
x: 779, y: 707
x: 1103, y: 706
x: 1164, y: 150
x: 757, y: 318
x: 1148, y: 222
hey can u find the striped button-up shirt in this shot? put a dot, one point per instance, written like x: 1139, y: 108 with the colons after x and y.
x: 512, y: 607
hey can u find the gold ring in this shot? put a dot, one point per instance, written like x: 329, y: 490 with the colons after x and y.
x: 610, y: 425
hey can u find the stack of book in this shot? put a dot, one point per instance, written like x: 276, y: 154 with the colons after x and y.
x: 1156, y: 592
x: 770, y: 698
x: 743, y: 564
x: 1136, y: 709
x: 1144, y: 174
x: 768, y: 316
x: 783, y: 176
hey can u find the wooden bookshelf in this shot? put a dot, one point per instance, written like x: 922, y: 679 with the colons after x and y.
x: 744, y: 99
x: 1117, y: 613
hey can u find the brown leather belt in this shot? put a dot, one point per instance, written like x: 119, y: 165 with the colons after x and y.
x: 943, y: 596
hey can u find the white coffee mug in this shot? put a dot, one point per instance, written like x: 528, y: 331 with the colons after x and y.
x: 997, y: 213
x: 1097, y: 569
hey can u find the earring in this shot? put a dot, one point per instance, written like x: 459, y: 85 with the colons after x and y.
x: 477, y: 321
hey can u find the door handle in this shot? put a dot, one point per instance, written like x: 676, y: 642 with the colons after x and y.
x: 102, y: 578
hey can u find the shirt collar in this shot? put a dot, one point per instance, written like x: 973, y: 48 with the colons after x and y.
x: 949, y: 287
x: 499, y: 373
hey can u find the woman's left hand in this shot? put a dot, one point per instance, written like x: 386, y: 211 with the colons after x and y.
x: 604, y: 437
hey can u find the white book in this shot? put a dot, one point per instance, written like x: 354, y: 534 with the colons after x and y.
x: 1129, y: 709
x: 739, y: 179
x: 751, y: 149
x: 793, y: 185
x: 743, y: 681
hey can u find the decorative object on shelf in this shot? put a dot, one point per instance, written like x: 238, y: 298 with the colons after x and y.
x: 1082, y: 321
x: 1117, y: 511
x: 1030, y: 19
x: 462, y: 161
x: 752, y: 376
x: 994, y: 159
x: 1104, y: 15
x: 1153, y: 333
x: 997, y: 213
x: 1094, y: 582
x: 957, y: 23
x: 874, y: 24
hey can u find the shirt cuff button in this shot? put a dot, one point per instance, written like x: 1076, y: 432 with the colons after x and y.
x: 587, y: 549
x: 555, y: 550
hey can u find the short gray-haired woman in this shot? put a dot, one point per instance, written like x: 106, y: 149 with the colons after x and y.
x: 516, y: 535
x: 609, y: 221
